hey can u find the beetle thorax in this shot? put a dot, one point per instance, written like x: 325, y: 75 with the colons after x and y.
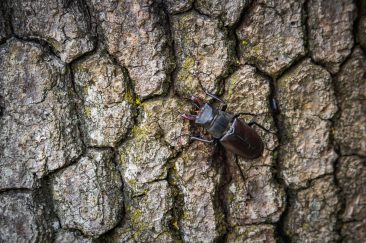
x: 215, y: 121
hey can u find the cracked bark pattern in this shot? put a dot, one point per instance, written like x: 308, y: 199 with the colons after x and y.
x: 254, y: 233
x: 178, y: 6
x: 65, y: 236
x: 93, y: 149
x: 196, y: 179
x: 350, y: 129
x: 136, y: 34
x: 24, y: 218
x: 361, y: 28
x: 107, y: 113
x: 330, y: 31
x: 65, y: 27
x: 144, y: 160
x: 362, y: 32
x: 247, y: 90
x: 38, y: 129
x: 228, y: 11
x: 271, y: 35
x: 307, y: 104
x: 203, y: 51
x: 147, y: 216
x: 245, y: 205
x: 351, y: 175
x: 5, y: 30
x: 312, y: 214
x: 144, y: 157
x: 88, y: 195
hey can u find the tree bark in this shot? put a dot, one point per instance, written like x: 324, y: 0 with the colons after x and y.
x: 93, y: 148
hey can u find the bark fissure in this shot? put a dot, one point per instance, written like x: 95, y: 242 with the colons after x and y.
x: 280, y: 225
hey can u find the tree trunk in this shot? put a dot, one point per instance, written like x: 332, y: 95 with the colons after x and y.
x: 93, y: 148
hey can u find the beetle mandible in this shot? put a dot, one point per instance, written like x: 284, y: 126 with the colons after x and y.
x: 234, y: 134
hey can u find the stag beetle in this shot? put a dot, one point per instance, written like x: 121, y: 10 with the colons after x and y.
x: 234, y: 134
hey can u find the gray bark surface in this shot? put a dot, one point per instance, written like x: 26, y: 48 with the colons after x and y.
x: 93, y: 149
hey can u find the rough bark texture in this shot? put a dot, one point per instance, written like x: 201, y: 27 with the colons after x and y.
x: 92, y: 147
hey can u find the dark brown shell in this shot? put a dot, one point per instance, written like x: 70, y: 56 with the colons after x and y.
x: 243, y: 140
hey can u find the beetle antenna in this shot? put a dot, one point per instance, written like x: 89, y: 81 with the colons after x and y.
x: 215, y: 97
x: 224, y: 105
x: 260, y: 126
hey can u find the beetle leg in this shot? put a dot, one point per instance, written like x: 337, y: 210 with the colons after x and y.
x: 251, y: 123
x: 202, y: 139
x: 188, y: 116
x: 245, y: 114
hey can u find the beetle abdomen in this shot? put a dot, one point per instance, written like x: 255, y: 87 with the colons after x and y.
x: 243, y: 140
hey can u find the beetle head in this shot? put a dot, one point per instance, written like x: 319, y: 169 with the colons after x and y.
x: 206, y: 115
